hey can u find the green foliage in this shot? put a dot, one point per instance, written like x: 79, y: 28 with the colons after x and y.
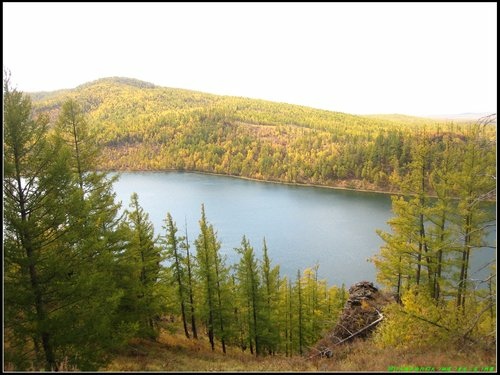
x: 432, y: 236
x: 213, y: 276
x: 251, y: 294
x: 270, y: 291
x: 142, y: 258
x: 420, y: 324
x: 59, y: 244
x: 405, y: 327
x: 426, y: 258
x: 79, y: 281
x: 145, y: 127
x: 73, y: 130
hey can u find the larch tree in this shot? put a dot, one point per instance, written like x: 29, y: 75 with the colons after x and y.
x: 433, y: 237
x: 72, y: 128
x: 270, y: 291
x: 406, y: 254
x: 190, y: 284
x: 474, y: 184
x: 250, y: 289
x: 300, y: 312
x: 144, y: 255
x: 178, y: 266
x: 213, y: 278
x: 55, y: 278
x: 29, y: 201
x: 206, y: 275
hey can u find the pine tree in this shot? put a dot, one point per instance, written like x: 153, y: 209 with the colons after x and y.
x: 55, y: 278
x: 72, y: 128
x: 474, y: 183
x: 190, y: 284
x: 28, y: 161
x: 300, y: 312
x: 213, y: 275
x: 250, y: 289
x: 144, y: 258
x: 406, y: 250
x: 173, y: 254
x: 272, y: 318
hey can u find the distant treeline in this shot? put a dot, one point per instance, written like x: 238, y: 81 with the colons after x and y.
x: 144, y: 127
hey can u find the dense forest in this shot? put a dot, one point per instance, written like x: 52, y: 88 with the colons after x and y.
x: 144, y: 127
x: 81, y: 280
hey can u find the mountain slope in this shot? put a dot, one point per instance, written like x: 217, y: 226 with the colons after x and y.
x: 146, y: 127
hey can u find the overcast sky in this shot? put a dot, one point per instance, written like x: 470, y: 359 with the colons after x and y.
x: 409, y: 58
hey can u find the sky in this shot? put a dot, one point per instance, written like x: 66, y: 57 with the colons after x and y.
x: 360, y: 58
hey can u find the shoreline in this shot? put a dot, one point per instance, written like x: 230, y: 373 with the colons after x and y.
x: 299, y: 184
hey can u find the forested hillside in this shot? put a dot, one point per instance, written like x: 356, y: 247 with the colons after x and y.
x: 81, y: 280
x: 145, y: 127
x: 87, y: 287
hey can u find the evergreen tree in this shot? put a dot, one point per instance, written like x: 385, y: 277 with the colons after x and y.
x: 190, y: 285
x: 272, y: 318
x: 213, y: 275
x: 144, y: 258
x: 57, y: 291
x: 300, y: 312
x: 474, y: 183
x: 28, y: 199
x: 73, y: 130
x: 173, y: 254
x: 250, y: 289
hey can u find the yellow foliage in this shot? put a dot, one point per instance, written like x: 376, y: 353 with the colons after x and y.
x: 409, y: 326
x: 146, y: 127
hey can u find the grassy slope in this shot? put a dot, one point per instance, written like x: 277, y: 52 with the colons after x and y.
x: 173, y: 352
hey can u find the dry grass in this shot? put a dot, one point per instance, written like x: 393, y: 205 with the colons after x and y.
x: 174, y: 352
x: 63, y: 367
x: 365, y: 356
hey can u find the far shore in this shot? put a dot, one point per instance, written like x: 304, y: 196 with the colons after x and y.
x: 255, y: 179
x: 301, y: 184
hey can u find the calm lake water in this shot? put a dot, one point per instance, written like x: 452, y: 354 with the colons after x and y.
x: 303, y: 226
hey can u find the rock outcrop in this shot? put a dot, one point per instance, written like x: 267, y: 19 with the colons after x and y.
x: 361, y: 309
x: 360, y: 316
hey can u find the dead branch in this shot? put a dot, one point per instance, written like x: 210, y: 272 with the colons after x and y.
x: 476, y: 320
x: 380, y: 317
x: 426, y: 320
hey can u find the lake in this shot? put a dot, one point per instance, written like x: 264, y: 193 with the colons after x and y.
x: 303, y: 226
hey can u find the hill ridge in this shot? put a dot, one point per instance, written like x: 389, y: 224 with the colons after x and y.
x: 141, y: 126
